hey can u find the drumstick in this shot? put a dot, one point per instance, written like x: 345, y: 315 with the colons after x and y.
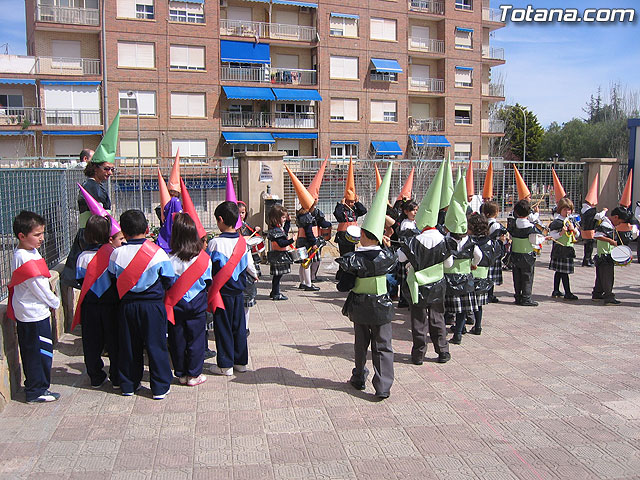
x: 254, y: 232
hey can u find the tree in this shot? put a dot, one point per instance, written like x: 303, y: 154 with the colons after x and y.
x: 514, y: 133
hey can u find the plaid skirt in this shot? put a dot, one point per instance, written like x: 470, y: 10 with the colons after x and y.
x: 495, y: 273
x: 279, y: 269
x: 482, y: 299
x: 561, y: 265
x: 465, y: 303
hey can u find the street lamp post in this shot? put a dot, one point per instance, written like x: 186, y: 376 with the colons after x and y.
x: 135, y: 94
x: 524, y: 143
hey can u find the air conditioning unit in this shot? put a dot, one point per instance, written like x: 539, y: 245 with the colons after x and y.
x: 223, y: 4
x: 305, y: 9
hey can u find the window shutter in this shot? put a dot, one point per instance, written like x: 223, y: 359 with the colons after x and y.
x: 148, y: 148
x: 65, y: 49
x: 286, y: 61
x: 389, y: 106
x: 196, y: 104
x: 420, y: 110
x: 336, y: 23
x: 196, y: 57
x: 286, y: 17
x: 389, y: 29
x: 463, y: 76
x: 351, y: 110
x: 189, y: 148
x: 239, y: 13
x: 350, y: 27
x: 419, y: 32
x: 179, y: 106
x: 463, y: 107
x: 377, y: 110
x: 463, y: 39
x: 463, y: 147
x: 126, y: 8
x: 126, y: 54
x: 377, y: 29
x: 179, y: 56
x: 85, y: 98
x: 67, y: 146
x: 337, y: 107
x: 336, y: 67
x: 145, y: 56
x: 147, y: 103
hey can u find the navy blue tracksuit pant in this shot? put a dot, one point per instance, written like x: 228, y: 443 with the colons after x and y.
x: 36, y: 350
x: 143, y: 325
x: 100, y: 329
x: 187, y: 337
x: 231, y: 332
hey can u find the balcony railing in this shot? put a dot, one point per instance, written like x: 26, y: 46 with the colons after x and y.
x: 268, y: 119
x: 245, y: 28
x: 20, y: 116
x: 492, y: 126
x: 293, y: 76
x: 72, y: 117
x: 492, y: 53
x: 431, y: 45
x: 491, y: 15
x: 493, y: 89
x: 427, y: 6
x: 68, y: 15
x: 282, y: 76
x: 426, y: 124
x: 67, y: 66
x: 434, y: 85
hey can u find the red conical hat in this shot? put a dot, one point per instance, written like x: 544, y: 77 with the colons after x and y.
x: 378, y: 177
x: 350, y: 187
x: 523, y: 190
x: 314, y: 186
x: 190, y: 209
x: 306, y: 199
x: 407, y: 188
x: 469, y: 180
x: 487, y: 191
x: 592, y: 194
x: 625, y: 200
x: 174, y: 178
x: 557, y: 186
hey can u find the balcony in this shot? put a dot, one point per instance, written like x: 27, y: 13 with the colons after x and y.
x: 488, y: 125
x: 67, y: 15
x: 72, y: 117
x: 67, y: 66
x: 25, y: 116
x: 435, y: 124
x: 274, y: 31
x: 491, y: 53
x: 268, y: 119
x: 266, y: 74
x: 492, y: 15
x: 493, y: 90
x: 430, y: 45
x: 430, y: 85
x: 427, y: 6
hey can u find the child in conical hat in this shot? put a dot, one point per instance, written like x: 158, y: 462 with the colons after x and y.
x: 347, y: 212
x: 172, y: 207
x: 588, y: 223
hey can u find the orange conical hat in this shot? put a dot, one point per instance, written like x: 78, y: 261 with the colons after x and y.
x: 487, y: 191
x: 378, y: 177
x: 164, y: 193
x: 557, y: 186
x: 314, y: 186
x: 174, y: 178
x: 350, y: 187
x: 469, y: 180
x: 592, y: 194
x: 407, y: 188
x: 523, y: 190
x: 625, y: 200
x: 190, y: 209
x: 306, y: 199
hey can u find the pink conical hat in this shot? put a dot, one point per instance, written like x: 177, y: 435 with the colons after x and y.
x: 164, y: 193
x: 190, y: 209
x: 230, y: 196
x: 174, y: 178
x: 96, y: 209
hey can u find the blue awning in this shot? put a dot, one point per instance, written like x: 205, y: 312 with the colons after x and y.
x: 387, y: 148
x: 193, y: 1
x: 386, y: 65
x: 72, y: 132
x: 463, y: 68
x: 430, y: 140
x: 244, y: 52
x: 295, y: 94
x: 344, y: 15
x: 67, y: 82
x: 16, y: 132
x: 460, y: 29
x: 296, y: 3
x: 17, y: 81
x: 345, y: 142
x: 252, y: 138
x: 296, y: 136
x: 248, y: 93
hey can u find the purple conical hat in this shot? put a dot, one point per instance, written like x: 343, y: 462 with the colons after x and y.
x: 230, y: 196
x: 97, y: 209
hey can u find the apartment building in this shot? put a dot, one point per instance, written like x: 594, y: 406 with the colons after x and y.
x: 390, y: 78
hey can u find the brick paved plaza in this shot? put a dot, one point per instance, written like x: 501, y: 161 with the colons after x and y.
x: 547, y: 392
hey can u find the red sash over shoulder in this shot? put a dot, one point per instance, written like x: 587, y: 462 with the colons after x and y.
x: 97, y: 266
x: 130, y: 276
x: 184, y: 283
x: 214, y: 299
x: 30, y: 269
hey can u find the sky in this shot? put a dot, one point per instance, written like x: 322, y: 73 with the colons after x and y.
x: 552, y: 69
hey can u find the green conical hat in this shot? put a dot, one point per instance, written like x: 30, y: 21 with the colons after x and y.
x: 456, y: 218
x: 374, y: 220
x: 447, y: 184
x: 106, y: 151
x: 427, y: 215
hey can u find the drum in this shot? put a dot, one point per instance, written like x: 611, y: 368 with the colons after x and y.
x: 621, y: 255
x: 325, y: 233
x: 299, y: 254
x: 256, y: 244
x: 353, y: 234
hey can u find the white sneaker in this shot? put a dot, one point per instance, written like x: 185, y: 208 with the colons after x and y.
x: 216, y: 370
x: 199, y: 380
x: 240, y: 368
x: 46, y: 397
x: 161, y: 396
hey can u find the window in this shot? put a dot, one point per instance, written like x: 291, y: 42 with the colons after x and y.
x: 462, y: 151
x: 188, y: 105
x: 462, y: 114
x: 464, y: 38
x: 295, y: 115
x: 186, y: 12
x: 136, y: 55
x: 383, y: 29
x: 148, y: 148
x: 383, y: 111
x: 140, y: 9
x: 464, y: 77
x: 146, y: 100
x: 343, y: 26
x: 344, y: 109
x: 189, y: 147
x: 292, y: 147
x: 383, y: 76
x: 344, y: 150
x: 464, y: 5
x: 72, y: 105
x: 67, y: 146
x: 186, y: 57
x: 11, y: 105
x: 343, y: 67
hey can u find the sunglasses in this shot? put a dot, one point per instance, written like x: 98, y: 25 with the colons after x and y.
x: 109, y: 169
